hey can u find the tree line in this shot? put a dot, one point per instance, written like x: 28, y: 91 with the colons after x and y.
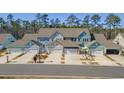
x: 110, y: 27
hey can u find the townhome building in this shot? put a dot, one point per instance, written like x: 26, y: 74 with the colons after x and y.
x: 5, y: 40
x: 46, y: 35
x: 68, y: 38
x: 119, y: 39
x: 100, y: 46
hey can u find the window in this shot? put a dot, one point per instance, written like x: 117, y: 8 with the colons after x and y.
x: 73, y: 39
x: 87, y: 39
x: 10, y: 39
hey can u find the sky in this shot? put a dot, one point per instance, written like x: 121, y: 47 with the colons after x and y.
x: 61, y: 16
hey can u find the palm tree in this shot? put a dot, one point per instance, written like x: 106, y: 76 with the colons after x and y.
x: 35, y: 59
x: 85, y: 51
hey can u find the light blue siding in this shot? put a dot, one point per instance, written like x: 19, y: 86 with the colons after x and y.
x: 96, y: 46
x: 56, y: 36
x: 84, y: 37
x: 43, y: 40
x: 8, y: 40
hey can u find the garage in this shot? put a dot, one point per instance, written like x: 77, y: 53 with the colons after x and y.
x: 96, y: 52
x: 34, y: 47
x: 112, y: 51
x: 54, y: 47
x: 72, y: 50
x: 95, y: 48
x: 58, y: 47
x: 22, y: 46
x: 69, y: 46
x: 110, y: 47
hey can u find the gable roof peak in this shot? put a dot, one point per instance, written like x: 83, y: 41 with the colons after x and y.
x: 66, y: 32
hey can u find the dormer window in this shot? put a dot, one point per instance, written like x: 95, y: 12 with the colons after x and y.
x: 96, y: 44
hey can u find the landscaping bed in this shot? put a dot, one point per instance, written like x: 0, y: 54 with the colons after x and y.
x: 39, y: 58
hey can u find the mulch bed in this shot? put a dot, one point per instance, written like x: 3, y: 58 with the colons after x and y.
x: 62, y: 62
x: 40, y: 61
x: 93, y: 63
x: 84, y: 63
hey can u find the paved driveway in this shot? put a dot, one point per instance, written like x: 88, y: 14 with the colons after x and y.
x: 54, y: 57
x: 104, y: 61
x: 117, y: 58
x: 73, y: 59
x: 25, y: 58
x: 3, y: 59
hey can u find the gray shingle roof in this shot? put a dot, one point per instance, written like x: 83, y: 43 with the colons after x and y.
x: 109, y: 44
x: 100, y: 37
x: 30, y: 37
x: 18, y: 43
x: 66, y: 32
x: 68, y: 43
x: 106, y: 43
x: 47, y: 32
x: 89, y: 43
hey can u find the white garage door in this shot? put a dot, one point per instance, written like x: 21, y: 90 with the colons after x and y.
x: 94, y: 52
x: 33, y: 48
x: 68, y: 51
x: 58, y: 47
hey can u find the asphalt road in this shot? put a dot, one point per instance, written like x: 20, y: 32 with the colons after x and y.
x: 62, y: 70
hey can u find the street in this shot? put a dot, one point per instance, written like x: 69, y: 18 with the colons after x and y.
x: 62, y: 70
